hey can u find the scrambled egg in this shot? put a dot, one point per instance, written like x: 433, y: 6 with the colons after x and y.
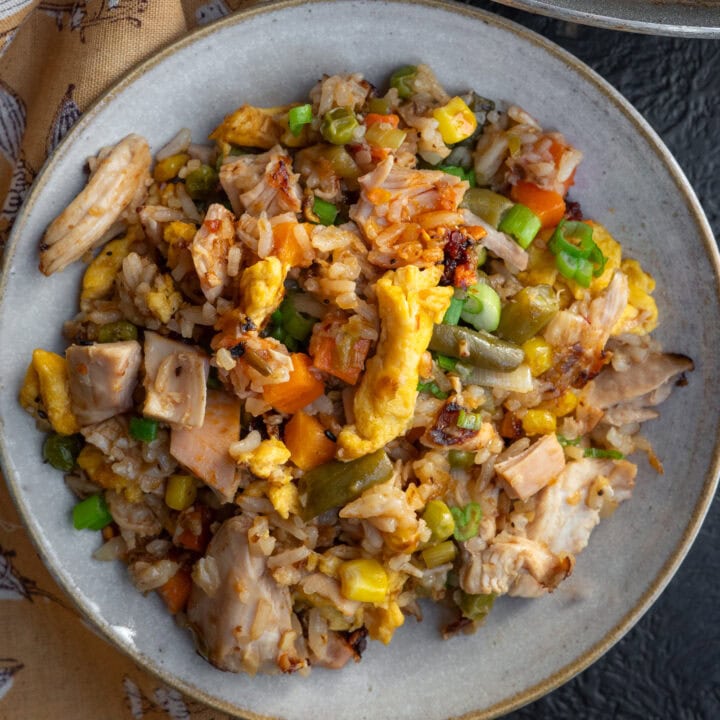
x: 641, y: 314
x: 409, y: 303
x: 100, y: 275
x: 251, y: 126
x: 266, y: 461
x: 261, y: 288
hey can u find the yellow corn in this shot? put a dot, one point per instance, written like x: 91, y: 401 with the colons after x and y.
x: 100, y: 275
x: 439, y: 554
x: 562, y: 405
x: 52, y: 374
x: 538, y: 355
x: 539, y: 422
x: 179, y: 233
x: 180, y: 492
x: 363, y: 580
x: 456, y: 121
x: 168, y: 168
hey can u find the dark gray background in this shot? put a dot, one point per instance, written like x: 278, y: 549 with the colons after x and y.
x: 668, y: 666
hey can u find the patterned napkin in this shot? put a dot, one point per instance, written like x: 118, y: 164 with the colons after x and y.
x: 56, y: 58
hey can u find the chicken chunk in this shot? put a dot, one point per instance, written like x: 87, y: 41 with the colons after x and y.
x: 204, y: 450
x: 102, y: 379
x: 117, y: 180
x: 175, y: 381
x: 209, y: 250
x: 612, y: 387
x: 410, y: 302
x: 506, y: 560
x: 262, y: 183
x: 566, y: 512
x: 530, y: 471
x: 246, y: 622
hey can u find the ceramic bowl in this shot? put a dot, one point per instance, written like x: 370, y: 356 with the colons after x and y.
x: 269, y: 55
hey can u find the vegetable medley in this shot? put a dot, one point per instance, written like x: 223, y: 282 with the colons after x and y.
x: 361, y: 351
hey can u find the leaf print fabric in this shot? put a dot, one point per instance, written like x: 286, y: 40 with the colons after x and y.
x: 56, y: 58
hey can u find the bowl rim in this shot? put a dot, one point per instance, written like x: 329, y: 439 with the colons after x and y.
x: 563, y: 10
x: 643, y: 129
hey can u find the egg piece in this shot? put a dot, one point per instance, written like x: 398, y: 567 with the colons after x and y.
x: 262, y: 288
x: 410, y: 303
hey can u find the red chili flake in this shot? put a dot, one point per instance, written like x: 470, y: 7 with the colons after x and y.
x: 212, y: 225
x: 573, y: 211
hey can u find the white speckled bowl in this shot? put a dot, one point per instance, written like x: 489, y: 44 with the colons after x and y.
x: 628, y: 180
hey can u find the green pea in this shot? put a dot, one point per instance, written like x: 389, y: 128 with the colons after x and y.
x: 61, y: 451
x: 117, y: 331
x: 201, y: 182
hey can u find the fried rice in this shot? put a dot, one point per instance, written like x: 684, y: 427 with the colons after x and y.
x: 361, y: 351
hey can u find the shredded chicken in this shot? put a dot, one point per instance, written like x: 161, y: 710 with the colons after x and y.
x: 115, y: 182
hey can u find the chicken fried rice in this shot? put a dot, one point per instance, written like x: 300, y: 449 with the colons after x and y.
x: 361, y: 351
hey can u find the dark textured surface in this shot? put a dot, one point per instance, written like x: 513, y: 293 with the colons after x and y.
x: 668, y: 666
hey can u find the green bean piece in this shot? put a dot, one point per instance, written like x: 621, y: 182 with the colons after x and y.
x: 338, y: 125
x: 528, y: 313
x: 201, y: 182
x: 439, y: 519
x: 117, y: 332
x: 61, y: 451
x: 335, y: 484
x: 486, y: 204
x: 474, y: 607
x: 403, y: 80
x: 476, y: 347
x: 143, y: 429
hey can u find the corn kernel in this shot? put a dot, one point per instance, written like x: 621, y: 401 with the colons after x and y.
x: 180, y: 492
x: 539, y: 422
x: 456, y: 121
x: 179, y: 233
x: 93, y: 461
x: 363, y: 580
x: 565, y: 404
x: 169, y: 167
x: 440, y: 554
x: 538, y: 355
x: 52, y: 375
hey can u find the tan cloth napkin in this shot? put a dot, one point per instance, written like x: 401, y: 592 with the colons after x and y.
x: 56, y: 58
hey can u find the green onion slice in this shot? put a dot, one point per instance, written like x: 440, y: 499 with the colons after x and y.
x: 602, y: 453
x: 482, y: 308
x: 298, y: 117
x: 467, y: 521
x: 143, y: 429
x: 565, y: 441
x: 91, y: 514
x: 325, y: 211
x: 433, y: 389
x: 452, y: 314
x: 522, y: 223
x: 469, y: 420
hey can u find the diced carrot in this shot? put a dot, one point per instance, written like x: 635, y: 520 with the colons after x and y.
x: 192, y: 520
x: 378, y: 154
x: 306, y: 440
x: 286, y: 247
x: 299, y: 390
x: 328, y: 358
x: 548, y: 205
x: 372, y: 118
x: 176, y: 591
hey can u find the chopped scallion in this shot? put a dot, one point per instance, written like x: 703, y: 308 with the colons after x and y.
x: 469, y: 420
x: 91, y: 514
x: 143, y: 429
x: 446, y: 363
x: 298, y: 117
x: 602, y: 453
x: 325, y: 211
x: 522, y: 223
x: 482, y: 308
x: 452, y: 314
x: 565, y: 441
x: 433, y: 389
